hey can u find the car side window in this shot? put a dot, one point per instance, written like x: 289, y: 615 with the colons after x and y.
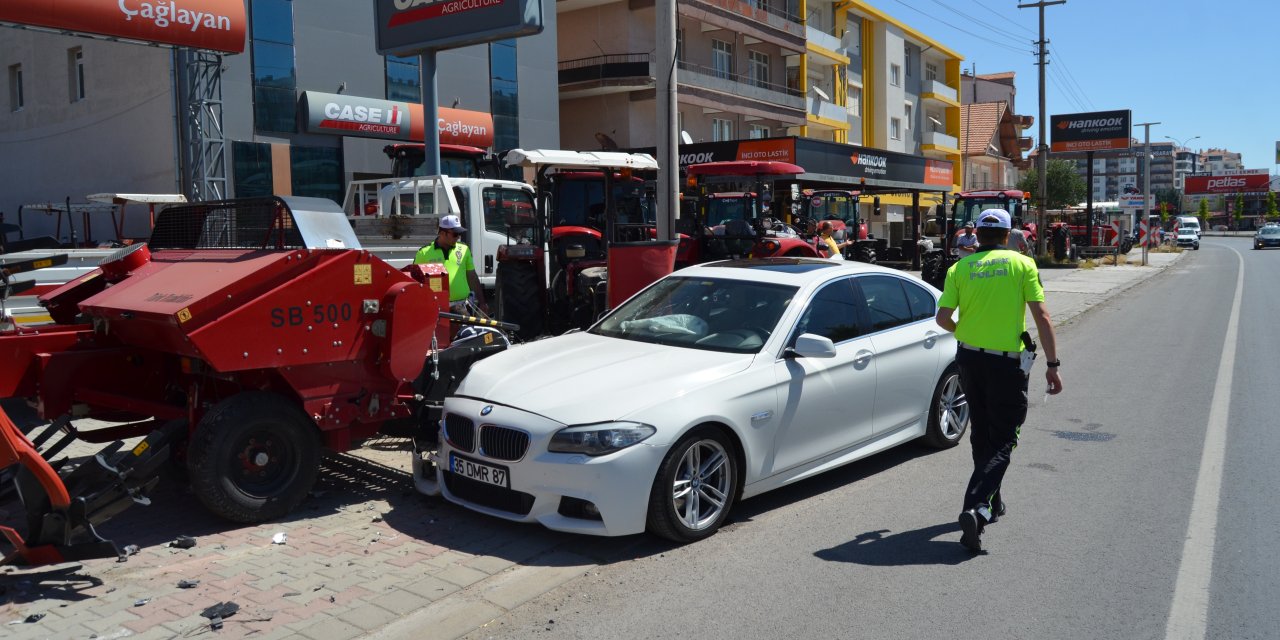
x: 887, y: 305
x: 832, y: 313
x: 923, y: 305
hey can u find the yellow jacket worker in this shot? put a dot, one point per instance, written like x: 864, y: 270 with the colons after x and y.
x: 993, y: 288
x: 456, y: 257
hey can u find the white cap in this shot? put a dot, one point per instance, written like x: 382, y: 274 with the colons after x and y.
x: 994, y: 219
x: 452, y: 223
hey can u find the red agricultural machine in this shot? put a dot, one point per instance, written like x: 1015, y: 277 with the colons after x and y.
x: 590, y: 245
x: 840, y: 208
x: 738, y: 223
x: 241, y: 340
x: 965, y: 208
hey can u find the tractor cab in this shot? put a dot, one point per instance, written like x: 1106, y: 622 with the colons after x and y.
x: 456, y: 161
x: 966, y: 208
x: 593, y: 212
x: 735, y: 215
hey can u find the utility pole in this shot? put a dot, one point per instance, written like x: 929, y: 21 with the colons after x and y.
x: 668, y: 199
x: 1042, y: 154
x: 1146, y: 179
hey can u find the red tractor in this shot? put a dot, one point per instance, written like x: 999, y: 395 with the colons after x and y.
x: 594, y: 219
x: 738, y: 223
x: 839, y: 207
x: 241, y: 340
x: 456, y: 161
x: 964, y: 209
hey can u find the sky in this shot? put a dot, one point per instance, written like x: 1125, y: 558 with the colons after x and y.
x: 1198, y: 68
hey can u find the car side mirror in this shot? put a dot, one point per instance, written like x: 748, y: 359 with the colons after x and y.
x: 810, y: 345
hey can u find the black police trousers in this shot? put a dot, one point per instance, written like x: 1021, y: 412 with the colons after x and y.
x: 996, y: 390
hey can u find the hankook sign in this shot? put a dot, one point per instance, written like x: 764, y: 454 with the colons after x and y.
x: 406, y: 27
x: 1091, y: 131
x: 213, y: 25
x: 371, y: 118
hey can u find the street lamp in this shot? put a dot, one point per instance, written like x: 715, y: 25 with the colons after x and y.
x: 1182, y: 195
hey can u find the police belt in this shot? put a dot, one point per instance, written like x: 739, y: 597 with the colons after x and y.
x: 1008, y: 354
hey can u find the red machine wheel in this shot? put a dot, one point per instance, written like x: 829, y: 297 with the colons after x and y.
x: 254, y: 457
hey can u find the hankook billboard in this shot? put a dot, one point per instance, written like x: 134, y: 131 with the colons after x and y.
x: 391, y: 120
x: 1091, y: 131
x: 213, y: 25
x: 406, y: 27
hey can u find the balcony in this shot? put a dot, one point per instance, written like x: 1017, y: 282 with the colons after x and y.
x: 741, y: 86
x: 827, y: 110
x: 939, y: 92
x: 825, y: 47
x: 774, y: 23
x: 598, y: 75
x: 940, y: 141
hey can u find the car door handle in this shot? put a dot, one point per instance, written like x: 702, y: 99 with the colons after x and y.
x: 930, y: 338
x: 861, y: 358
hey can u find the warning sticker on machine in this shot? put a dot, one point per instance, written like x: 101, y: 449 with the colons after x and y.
x: 364, y: 274
x: 184, y: 315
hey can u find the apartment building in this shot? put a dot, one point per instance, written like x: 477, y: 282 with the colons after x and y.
x: 1120, y: 171
x: 88, y: 116
x: 992, y: 134
x: 843, y: 72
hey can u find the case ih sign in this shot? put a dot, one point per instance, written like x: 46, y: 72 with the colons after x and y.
x: 406, y: 27
x: 213, y: 25
x: 1090, y: 131
x: 1246, y: 183
x: 370, y: 118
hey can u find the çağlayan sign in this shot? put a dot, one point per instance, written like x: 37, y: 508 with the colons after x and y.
x: 1090, y: 131
x: 406, y: 27
x: 392, y: 120
x: 214, y: 25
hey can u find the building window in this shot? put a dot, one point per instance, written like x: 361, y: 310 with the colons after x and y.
x: 758, y: 66
x: 251, y: 169
x: 895, y: 75
x: 895, y: 128
x: 75, y: 73
x: 504, y: 98
x: 722, y: 59
x: 680, y: 45
x: 16, y: 99
x: 404, y: 79
x: 316, y: 172
x: 275, y: 104
x: 854, y: 101
x: 757, y: 131
x: 906, y: 57
x: 906, y: 115
x: 721, y: 130
x: 930, y: 71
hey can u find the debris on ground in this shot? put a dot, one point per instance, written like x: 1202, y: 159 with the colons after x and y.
x: 187, y: 584
x: 31, y: 619
x: 217, y: 612
x: 279, y: 538
x: 183, y: 542
x: 141, y: 601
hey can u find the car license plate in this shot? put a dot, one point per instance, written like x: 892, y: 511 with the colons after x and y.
x: 486, y: 473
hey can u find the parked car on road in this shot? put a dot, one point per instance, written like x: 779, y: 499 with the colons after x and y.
x: 1268, y: 236
x: 1188, y: 237
x: 716, y: 383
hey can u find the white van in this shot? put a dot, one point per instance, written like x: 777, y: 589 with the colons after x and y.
x: 1188, y: 222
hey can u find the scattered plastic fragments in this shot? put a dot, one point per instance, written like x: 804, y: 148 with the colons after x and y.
x: 187, y: 584
x: 140, y: 602
x: 217, y: 612
x: 279, y: 538
x: 183, y: 542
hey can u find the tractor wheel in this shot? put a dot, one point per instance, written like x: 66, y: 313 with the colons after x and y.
x: 1126, y: 245
x: 253, y: 457
x: 864, y: 253
x: 933, y: 269
x: 519, y: 297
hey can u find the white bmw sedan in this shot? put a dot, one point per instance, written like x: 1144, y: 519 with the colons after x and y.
x: 716, y: 383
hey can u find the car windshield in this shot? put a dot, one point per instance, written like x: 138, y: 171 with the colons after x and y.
x: 715, y: 314
x: 1269, y: 231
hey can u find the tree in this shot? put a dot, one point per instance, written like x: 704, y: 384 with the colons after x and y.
x: 1204, y: 210
x: 1171, y: 197
x: 1066, y: 187
x: 1272, y: 212
x: 1239, y: 213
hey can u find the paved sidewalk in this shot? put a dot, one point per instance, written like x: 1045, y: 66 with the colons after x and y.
x: 365, y: 556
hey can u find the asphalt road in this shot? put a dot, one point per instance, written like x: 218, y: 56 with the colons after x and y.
x: 1113, y: 530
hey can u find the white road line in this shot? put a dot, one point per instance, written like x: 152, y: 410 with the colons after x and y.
x: 1189, y: 613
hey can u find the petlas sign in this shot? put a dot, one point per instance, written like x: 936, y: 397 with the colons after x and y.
x: 213, y: 25
x: 1227, y: 184
x: 371, y: 118
x: 1090, y: 131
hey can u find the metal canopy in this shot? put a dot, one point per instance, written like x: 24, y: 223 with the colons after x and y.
x: 580, y: 159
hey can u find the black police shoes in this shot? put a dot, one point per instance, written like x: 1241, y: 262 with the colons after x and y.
x: 971, y: 530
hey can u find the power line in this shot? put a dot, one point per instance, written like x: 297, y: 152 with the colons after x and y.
x: 1005, y: 18
x: 1065, y: 88
x: 971, y: 18
x: 969, y: 33
x: 1071, y: 76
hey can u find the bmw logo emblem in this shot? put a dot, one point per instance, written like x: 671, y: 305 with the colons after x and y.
x: 488, y: 409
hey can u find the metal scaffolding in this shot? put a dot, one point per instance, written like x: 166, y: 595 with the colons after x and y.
x: 204, y: 166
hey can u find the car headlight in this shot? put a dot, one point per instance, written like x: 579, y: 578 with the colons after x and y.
x: 599, y: 439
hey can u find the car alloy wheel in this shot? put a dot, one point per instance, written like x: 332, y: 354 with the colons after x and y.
x: 949, y: 412
x: 695, y: 487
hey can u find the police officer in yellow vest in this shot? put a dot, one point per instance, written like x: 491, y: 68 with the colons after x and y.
x: 449, y: 249
x: 993, y: 288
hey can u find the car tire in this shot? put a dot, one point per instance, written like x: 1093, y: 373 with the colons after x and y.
x: 676, y: 509
x: 948, y: 412
x: 254, y: 457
